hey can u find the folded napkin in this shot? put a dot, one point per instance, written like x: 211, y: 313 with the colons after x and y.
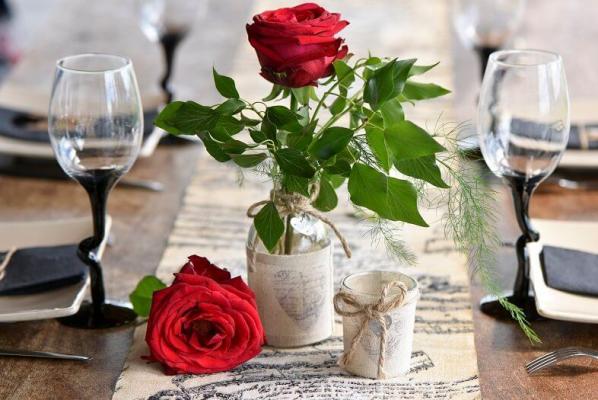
x: 23, y: 126
x: 38, y: 269
x: 570, y: 270
x: 581, y: 136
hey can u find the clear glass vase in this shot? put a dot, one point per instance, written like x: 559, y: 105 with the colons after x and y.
x: 303, y: 234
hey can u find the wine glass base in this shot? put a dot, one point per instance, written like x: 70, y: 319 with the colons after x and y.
x: 490, y: 305
x: 112, y: 315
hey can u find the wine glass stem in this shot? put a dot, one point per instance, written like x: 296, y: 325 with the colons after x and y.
x: 98, y: 189
x: 522, y: 190
x: 169, y: 43
x: 483, y: 53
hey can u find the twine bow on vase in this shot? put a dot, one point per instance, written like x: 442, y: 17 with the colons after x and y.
x: 293, y: 203
x: 370, y: 312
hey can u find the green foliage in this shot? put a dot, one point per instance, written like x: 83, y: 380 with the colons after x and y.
x: 304, y: 145
x: 141, y: 297
x: 390, y: 198
x: 225, y: 85
x: 331, y: 141
x: 269, y: 225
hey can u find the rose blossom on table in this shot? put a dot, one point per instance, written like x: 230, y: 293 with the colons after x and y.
x: 296, y: 46
x: 205, y: 322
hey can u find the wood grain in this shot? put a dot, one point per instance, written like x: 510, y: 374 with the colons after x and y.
x: 502, y: 348
x: 142, y: 221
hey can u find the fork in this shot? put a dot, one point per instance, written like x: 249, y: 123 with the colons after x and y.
x: 557, y: 356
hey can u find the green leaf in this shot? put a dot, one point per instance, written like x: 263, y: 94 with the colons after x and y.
x: 422, y: 91
x: 327, y: 199
x: 213, y: 148
x: 283, y: 118
x: 292, y: 161
x: 340, y: 167
x: 257, y: 136
x: 407, y: 140
x: 230, y: 107
x: 268, y: 129
x: 332, y: 141
x: 186, y: 118
x: 225, y: 85
x: 335, y: 180
x: 390, y: 198
x: 338, y: 105
x: 377, y: 142
x: 424, y: 168
x: 296, y: 184
x: 269, y: 225
x: 392, y: 112
x: 233, y: 146
x: 421, y: 69
x: 249, y: 121
x: 225, y: 127
x: 167, y: 114
x: 299, y: 141
x: 276, y: 90
x: 344, y: 73
x: 141, y: 297
x: 249, y: 160
x: 302, y: 94
x: 387, y: 82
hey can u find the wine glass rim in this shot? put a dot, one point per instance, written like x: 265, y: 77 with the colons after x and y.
x: 552, y: 58
x: 125, y: 63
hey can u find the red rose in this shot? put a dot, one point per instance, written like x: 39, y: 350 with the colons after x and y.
x: 296, y: 46
x: 204, y: 322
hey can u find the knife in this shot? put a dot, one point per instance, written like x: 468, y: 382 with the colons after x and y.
x: 43, y: 354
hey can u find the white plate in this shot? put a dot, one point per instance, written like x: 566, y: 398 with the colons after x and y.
x: 55, y: 303
x: 556, y: 304
x: 579, y: 159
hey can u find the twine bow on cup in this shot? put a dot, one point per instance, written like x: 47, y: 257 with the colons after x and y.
x: 370, y: 312
x: 292, y: 203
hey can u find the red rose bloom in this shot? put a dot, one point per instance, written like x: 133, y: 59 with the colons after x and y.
x: 205, y: 322
x: 296, y: 46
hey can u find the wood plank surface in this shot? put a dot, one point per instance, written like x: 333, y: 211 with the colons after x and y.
x: 142, y: 220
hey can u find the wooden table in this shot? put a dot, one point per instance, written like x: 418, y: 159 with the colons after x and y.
x: 142, y: 221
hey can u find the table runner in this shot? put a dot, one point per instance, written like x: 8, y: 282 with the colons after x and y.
x: 212, y: 223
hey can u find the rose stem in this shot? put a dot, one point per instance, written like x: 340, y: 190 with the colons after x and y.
x: 288, y: 232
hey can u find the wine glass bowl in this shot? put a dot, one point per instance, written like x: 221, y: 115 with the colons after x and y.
x: 95, y: 123
x: 523, y: 127
x: 523, y: 113
x: 95, y: 118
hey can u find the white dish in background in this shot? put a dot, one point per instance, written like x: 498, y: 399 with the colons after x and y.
x: 54, y: 303
x: 579, y: 159
x: 556, y: 304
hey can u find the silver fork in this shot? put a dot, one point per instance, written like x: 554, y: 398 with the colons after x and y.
x: 557, y: 356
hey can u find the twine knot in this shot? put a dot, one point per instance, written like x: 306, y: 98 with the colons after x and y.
x: 294, y: 203
x: 370, y: 312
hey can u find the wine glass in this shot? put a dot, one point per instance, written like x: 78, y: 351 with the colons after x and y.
x: 486, y: 25
x: 95, y: 123
x: 523, y: 125
x: 167, y: 22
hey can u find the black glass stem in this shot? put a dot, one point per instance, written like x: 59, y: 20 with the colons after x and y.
x: 521, y: 190
x: 98, y: 313
x: 483, y: 53
x: 169, y: 41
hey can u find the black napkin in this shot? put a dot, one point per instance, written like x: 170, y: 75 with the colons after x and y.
x: 38, y: 269
x: 525, y: 128
x: 23, y: 126
x: 570, y: 270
